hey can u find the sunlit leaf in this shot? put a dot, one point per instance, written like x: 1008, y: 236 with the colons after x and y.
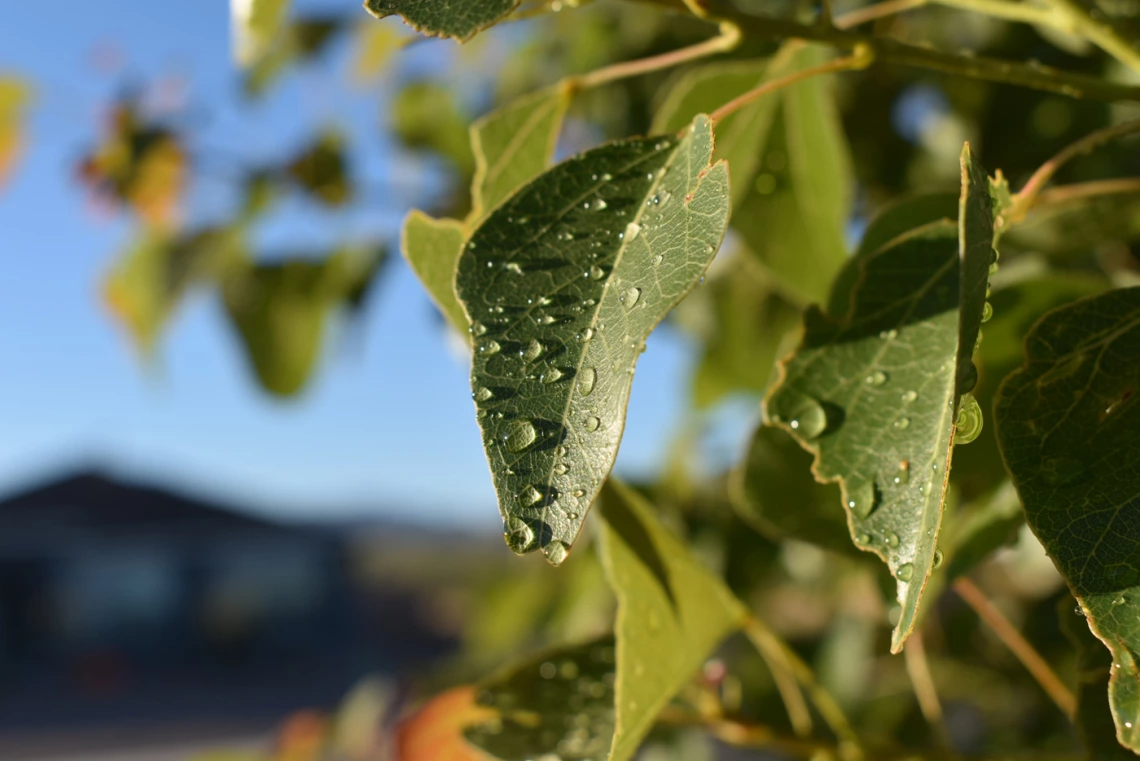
x: 256, y: 24
x: 560, y: 703
x: 672, y: 613
x: 432, y: 248
x: 563, y: 283
x: 376, y: 46
x: 15, y: 95
x: 874, y: 394
x: 441, y: 18
x: 513, y: 145
x: 435, y: 731
x: 1067, y: 422
x: 281, y: 309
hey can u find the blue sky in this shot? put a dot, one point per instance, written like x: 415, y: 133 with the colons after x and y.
x: 387, y: 427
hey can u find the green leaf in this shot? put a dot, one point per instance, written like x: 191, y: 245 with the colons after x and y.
x: 280, y: 310
x: 257, y: 25
x: 513, y: 145
x: 321, y: 170
x: 773, y: 490
x: 425, y: 115
x: 672, y: 613
x: 376, y: 46
x: 558, y: 703
x: 986, y: 525
x: 432, y: 248
x: 563, y: 284
x: 874, y: 394
x: 740, y: 137
x: 1094, y: 667
x: 440, y: 18
x: 1067, y: 422
x: 15, y: 95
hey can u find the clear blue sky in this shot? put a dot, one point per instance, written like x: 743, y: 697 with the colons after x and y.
x: 387, y: 426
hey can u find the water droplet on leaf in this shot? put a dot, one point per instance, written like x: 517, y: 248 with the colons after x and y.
x: 586, y: 380
x: 591, y: 423
x: 532, y: 351
x: 630, y: 296
x: 556, y: 552
x: 877, y: 378
x: 861, y: 498
x: 905, y: 572
x: 520, y: 435
x: 969, y: 420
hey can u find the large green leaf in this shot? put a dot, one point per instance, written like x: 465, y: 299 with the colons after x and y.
x: 874, y: 394
x: 441, y: 18
x: 514, y: 144
x: 432, y: 248
x: 563, y: 284
x: 672, y: 612
x: 559, y: 704
x: 1067, y: 425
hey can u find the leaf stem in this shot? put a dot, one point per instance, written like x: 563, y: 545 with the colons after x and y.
x: 860, y: 59
x: 1081, y: 190
x: 772, y: 648
x: 875, y: 12
x: 1017, y: 644
x: 1025, y: 198
x: 728, y: 39
x: 918, y: 669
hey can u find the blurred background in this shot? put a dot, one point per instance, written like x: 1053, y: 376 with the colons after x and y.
x: 243, y: 499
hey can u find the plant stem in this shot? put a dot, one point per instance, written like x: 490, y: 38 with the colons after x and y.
x: 1017, y: 644
x: 1100, y: 33
x: 1081, y: 190
x: 860, y: 59
x: 771, y: 646
x: 782, y: 674
x: 877, y: 11
x: 918, y: 670
x: 728, y: 39
x: 1024, y: 199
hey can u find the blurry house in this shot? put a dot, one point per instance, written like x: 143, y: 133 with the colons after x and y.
x: 122, y: 603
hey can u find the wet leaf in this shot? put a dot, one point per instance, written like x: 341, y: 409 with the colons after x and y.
x: 563, y: 283
x: 558, y: 704
x: 440, y: 18
x: 281, y: 308
x: 772, y: 489
x: 1067, y: 422
x: 513, y: 145
x: 672, y: 613
x: 874, y: 394
x: 432, y: 248
x: 435, y: 731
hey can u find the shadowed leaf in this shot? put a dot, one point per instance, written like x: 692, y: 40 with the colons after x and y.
x: 435, y: 731
x: 563, y: 283
x: 1067, y: 425
x: 874, y: 394
x: 672, y: 613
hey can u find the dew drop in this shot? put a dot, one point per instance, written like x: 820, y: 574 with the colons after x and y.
x: 520, y: 435
x: 938, y: 557
x: 533, y: 350
x: 1119, y: 600
x: 902, y: 475
x: 909, y: 396
x: 893, y: 541
x: 561, y: 451
x: 597, y: 204
x: 552, y: 375
x: 579, y: 493
x: 863, y: 538
x: 596, y: 272
x: 513, y: 267
x: 556, y: 552
x: 591, y: 423
x: 905, y: 572
x: 861, y: 498
x: 586, y: 380
x: 585, y: 335
x: 809, y: 419
x: 630, y: 296
x: 632, y: 230
x: 876, y: 378
x: 607, y: 177
x: 969, y: 378
x: 530, y: 495
x: 478, y: 328
x: 969, y: 423
x: 560, y: 469
x: 656, y: 261
x: 482, y: 394
x: 519, y: 536
x: 902, y: 423
x: 889, y: 335
x: 987, y: 312
x: 489, y: 348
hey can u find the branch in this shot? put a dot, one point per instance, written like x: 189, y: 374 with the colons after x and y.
x: 1017, y: 644
x: 1099, y: 33
x: 918, y: 670
x: 1081, y: 190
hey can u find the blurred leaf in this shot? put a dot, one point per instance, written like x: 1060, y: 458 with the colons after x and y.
x: 563, y: 283
x: 560, y: 703
x: 741, y: 136
x: 425, y: 115
x: 1067, y: 423
x: 15, y: 95
x: 441, y: 18
x: 748, y: 326
x: 1074, y: 230
x: 299, y: 41
x: 321, y: 170
x: 358, y: 727
x: 256, y: 25
x: 874, y: 395
x: 376, y: 46
x: 672, y: 613
x: 1094, y: 667
x: 280, y: 310
x: 513, y: 145
x: 154, y: 273
x: 301, y: 737
x: 987, y: 525
x: 432, y: 248
x: 773, y: 490
x: 435, y: 731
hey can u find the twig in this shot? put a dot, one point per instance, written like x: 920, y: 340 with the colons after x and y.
x: 877, y: 11
x: 768, y: 644
x: 1080, y: 190
x: 860, y: 59
x: 1024, y: 199
x: 1017, y: 644
x: 728, y: 39
x: 924, y: 691
x: 1100, y: 33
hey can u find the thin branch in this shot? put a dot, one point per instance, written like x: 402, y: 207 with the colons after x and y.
x: 1017, y: 644
x: 1100, y: 33
x: 875, y: 12
x: 860, y: 59
x: 769, y: 647
x: 1025, y: 197
x: 741, y: 734
x: 1081, y: 190
x: 766, y: 641
x: 924, y: 691
x: 1024, y: 13
x: 728, y: 39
